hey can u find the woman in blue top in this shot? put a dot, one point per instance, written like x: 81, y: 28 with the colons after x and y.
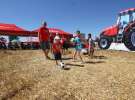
x: 78, y: 46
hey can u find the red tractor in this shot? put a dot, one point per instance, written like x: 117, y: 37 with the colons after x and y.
x: 122, y: 32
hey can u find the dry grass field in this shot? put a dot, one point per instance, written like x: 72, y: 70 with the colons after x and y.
x: 26, y: 75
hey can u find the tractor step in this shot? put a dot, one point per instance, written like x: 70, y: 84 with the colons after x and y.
x: 119, y: 38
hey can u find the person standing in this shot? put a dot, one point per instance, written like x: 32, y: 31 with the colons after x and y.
x: 44, y: 38
x: 64, y: 45
x: 78, y: 46
x: 57, y: 50
x: 91, y: 45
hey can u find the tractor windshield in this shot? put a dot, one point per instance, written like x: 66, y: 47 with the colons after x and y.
x: 133, y: 16
x: 124, y: 19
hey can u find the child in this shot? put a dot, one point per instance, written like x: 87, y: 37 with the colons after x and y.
x: 91, y: 45
x: 78, y: 46
x: 65, y: 46
x: 57, y: 50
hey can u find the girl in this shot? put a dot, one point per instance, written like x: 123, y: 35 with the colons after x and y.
x: 78, y: 46
x: 91, y: 45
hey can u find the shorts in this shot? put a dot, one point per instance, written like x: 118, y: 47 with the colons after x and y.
x: 65, y: 46
x: 57, y: 56
x: 91, y: 47
x: 44, y: 45
x: 78, y: 48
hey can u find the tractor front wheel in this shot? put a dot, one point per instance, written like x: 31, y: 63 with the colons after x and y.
x: 104, y: 43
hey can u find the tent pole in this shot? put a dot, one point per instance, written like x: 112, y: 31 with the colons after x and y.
x: 31, y: 42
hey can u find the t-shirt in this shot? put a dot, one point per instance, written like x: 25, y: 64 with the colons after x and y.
x: 91, y: 43
x: 78, y: 43
x: 56, y: 47
x: 44, y: 34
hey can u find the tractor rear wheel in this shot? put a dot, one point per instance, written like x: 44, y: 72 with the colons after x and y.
x: 104, y: 43
x: 129, y: 40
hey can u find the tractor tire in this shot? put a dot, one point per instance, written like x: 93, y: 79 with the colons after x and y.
x: 104, y: 43
x: 129, y: 40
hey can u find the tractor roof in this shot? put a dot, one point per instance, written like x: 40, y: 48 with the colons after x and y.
x: 127, y: 11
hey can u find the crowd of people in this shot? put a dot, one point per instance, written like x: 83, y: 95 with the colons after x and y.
x: 58, y: 45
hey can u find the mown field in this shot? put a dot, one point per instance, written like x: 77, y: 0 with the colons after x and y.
x: 26, y: 75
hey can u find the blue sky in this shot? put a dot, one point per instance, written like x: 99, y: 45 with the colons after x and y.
x: 69, y: 15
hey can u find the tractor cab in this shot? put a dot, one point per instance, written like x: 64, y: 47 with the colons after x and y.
x: 124, y: 18
x: 122, y: 31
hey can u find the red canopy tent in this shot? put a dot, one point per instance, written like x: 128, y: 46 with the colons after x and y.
x: 60, y: 32
x: 12, y: 29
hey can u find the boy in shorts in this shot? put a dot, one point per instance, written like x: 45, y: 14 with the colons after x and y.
x: 57, y: 50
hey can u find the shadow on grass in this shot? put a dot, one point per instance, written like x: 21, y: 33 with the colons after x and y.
x: 94, y: 62
x: 62, y: 59
x: 75, y: 65
x: 66, y: 68
x: 66, y: 58
x: 100, y: 57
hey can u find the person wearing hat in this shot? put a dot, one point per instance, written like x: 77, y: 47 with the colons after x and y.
x: 78, y: 46
x: 57, y: 50
x: 44, y: 37
x: 57, y: 36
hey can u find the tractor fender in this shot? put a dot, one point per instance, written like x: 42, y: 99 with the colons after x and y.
x: 129, y: 27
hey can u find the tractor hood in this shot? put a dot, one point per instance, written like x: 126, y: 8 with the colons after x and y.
x: 110, y: 31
